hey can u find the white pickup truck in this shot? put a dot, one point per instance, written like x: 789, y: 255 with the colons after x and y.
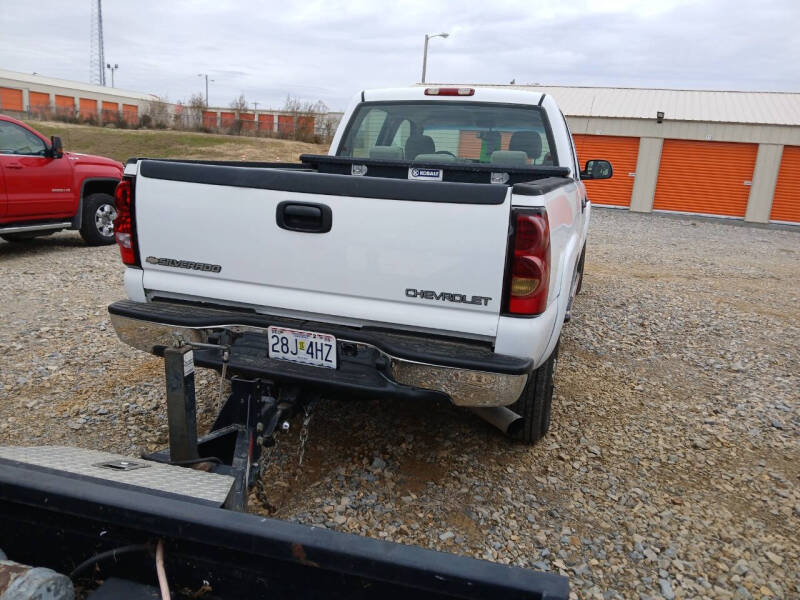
x: 435, y: 252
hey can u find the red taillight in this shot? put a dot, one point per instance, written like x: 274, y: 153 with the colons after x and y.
x: 123, y: 224
x: 464, y: 91
x: 529, y: 263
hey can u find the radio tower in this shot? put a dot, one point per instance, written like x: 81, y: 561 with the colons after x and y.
x: 97, y: 62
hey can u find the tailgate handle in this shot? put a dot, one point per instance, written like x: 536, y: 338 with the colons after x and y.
x: 305, y: 217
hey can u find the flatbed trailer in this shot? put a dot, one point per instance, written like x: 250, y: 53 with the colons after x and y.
x: 121, y: 527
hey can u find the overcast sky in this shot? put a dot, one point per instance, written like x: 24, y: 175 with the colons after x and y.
x: 328, y: 50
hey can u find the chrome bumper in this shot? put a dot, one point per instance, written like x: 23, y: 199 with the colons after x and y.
x: 465, y: 387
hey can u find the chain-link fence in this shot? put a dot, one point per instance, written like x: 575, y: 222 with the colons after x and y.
x: 307, y: 127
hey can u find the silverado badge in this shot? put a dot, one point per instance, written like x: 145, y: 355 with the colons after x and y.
x: 184, y: 264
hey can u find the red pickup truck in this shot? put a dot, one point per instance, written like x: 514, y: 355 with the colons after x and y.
x: 44, y: 189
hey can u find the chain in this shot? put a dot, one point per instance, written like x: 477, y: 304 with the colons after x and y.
x: 261, y: 494
x: 225, y: 357
x: 307, y: 409
x: 304, y: 438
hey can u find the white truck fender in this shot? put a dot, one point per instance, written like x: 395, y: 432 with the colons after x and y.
x: 133, y: 283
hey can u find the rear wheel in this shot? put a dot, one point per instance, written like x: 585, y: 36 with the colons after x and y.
x: 535, y: 402
x: 97, y: 225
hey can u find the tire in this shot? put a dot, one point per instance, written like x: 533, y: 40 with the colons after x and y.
x: 535, y: 402
x: 581, y: 260
x: 97, y: 224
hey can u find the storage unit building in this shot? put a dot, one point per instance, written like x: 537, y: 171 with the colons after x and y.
x: 727, y: 154
x: 40, y: 95
x: 785, y: 203
x: 623, y: 152
x: 248, y: 121
x: 266, y: 122
x: 25, y: 95
x: 40, y: 102
x: 10, y: 99
x: 88, y: 108
x: 710, y: 178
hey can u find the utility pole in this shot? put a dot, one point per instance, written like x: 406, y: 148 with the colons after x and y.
x: 255, y: 106
x: 97, y: 72
x: 112, y: 69
x: 212, y: 81
x: 425, y: 51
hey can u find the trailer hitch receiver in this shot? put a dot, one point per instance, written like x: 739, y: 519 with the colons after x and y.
x: 245, y: 425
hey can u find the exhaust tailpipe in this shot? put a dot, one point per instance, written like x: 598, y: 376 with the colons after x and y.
x: 505, y: 419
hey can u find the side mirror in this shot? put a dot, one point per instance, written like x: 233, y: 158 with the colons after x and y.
x: 597, y: 169
x: 56, y: 149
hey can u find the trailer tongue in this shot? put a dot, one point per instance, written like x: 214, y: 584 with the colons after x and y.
x: 102, y: 517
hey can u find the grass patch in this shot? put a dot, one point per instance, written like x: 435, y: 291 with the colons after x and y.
x: 122, y: 144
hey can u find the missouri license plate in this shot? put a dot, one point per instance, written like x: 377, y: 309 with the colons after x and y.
x: 305, y: 347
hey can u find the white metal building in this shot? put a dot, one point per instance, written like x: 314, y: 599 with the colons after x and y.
x: 24, y: 94
x: 732, y: 154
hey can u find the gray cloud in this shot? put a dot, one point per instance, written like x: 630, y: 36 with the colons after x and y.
x: 330, y: 50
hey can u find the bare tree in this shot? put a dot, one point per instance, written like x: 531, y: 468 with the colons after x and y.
x: 239, y: 104
x: 307, y: 117
x: 157, y: 113
x: 195, y: 108
x: 326, y: 126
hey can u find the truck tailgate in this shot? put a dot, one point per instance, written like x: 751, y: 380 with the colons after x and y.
x: 418, y: 254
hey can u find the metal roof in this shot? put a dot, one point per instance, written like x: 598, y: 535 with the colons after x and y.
x: 763, y: 108
x: 41, y: 80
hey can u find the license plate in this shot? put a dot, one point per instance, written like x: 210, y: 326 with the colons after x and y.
x: 305, y: 347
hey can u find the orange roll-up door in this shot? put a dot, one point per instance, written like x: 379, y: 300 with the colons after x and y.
x: 130, y: 113
x: 622, y: 153
x: 469, y: 145
x: 248, y: 121
x: 285, y: 124
x: 88, y: 108
x: 786, y: 201
x: 110, y: 110
x: 209, y: 119
x: 711, y: 178
x: 305, y: 125
x: 266, y: 122
x: 65, y: 105
x: 40, y: 102
x: 10, y: 99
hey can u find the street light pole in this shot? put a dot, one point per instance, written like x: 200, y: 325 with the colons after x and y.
x: 425, y: 51
x: 112, y: 69
x: 212, y: 81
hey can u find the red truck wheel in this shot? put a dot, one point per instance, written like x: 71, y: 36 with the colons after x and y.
x: 97, y: 226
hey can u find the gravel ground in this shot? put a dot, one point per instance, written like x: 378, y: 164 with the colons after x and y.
x: 672, y: 469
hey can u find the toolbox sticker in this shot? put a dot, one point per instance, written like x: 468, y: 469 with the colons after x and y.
x: 188, y: 363
x: 424, y: 174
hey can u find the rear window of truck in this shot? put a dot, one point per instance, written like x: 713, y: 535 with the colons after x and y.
x: 450, y: 132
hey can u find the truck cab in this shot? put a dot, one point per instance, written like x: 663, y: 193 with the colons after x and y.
x: 44, y: 189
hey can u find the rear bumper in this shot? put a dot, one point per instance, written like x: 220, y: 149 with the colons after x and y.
x: 371, y: 363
